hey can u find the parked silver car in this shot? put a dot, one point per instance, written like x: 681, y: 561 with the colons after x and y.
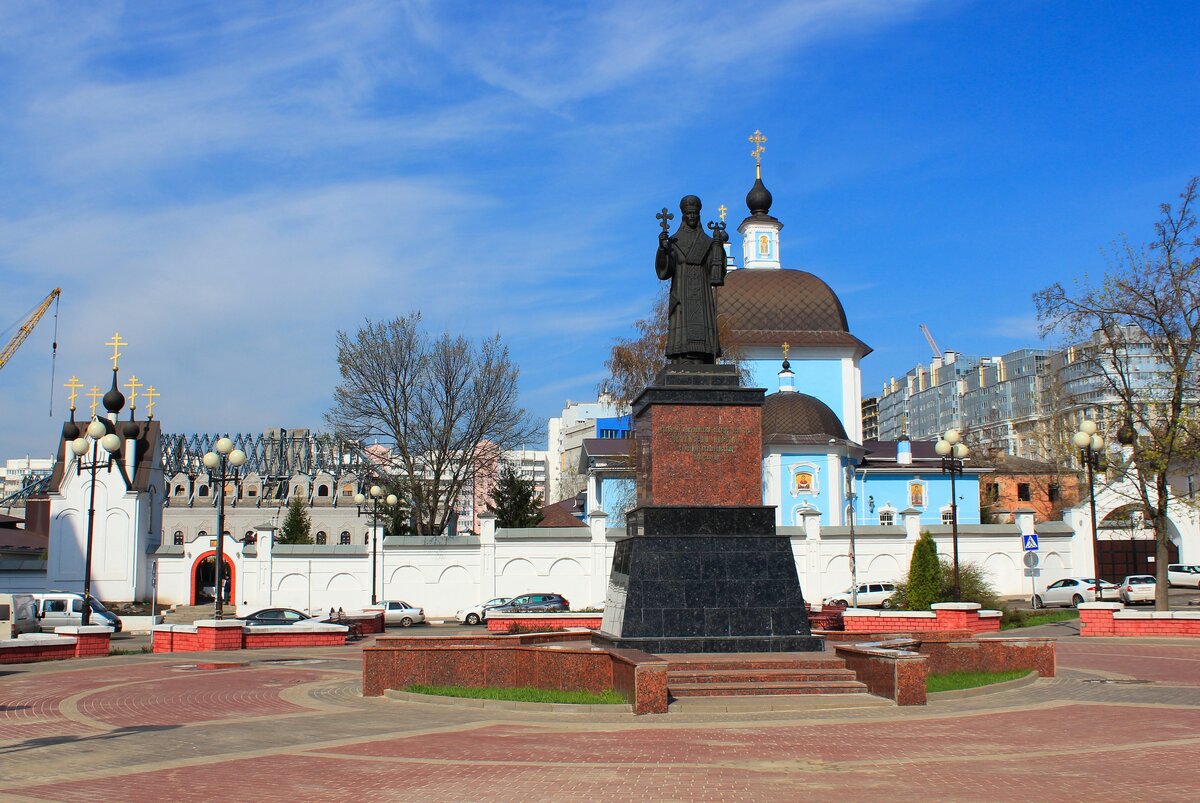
x: 1138, y: 588
x: 1183, y: 574
x: 398, y: 612
x: 1071, y: 592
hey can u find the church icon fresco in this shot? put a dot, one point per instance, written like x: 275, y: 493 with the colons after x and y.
x: 916, y: 494
x: 804, y: 481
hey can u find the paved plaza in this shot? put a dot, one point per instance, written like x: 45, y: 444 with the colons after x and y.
x: 1123, y: 718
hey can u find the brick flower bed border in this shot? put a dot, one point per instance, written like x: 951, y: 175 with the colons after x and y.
x: 1110, y: 619
x: 63, y: 643
x: 211, y: 634
x: 947, y: 616
x: 501, y: 622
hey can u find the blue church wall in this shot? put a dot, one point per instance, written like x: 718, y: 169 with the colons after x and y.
x: 898, y: 492
x: 821, y: 378
x: 805, y: 480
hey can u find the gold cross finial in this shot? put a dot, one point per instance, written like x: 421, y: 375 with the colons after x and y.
x: 758, y: 139
x: 133, y: 384
x: 94, y: 394
x: 150, y: 394
x: 116, y: 344
x: 74, y: 385
x: 722, y: 210
x: 786, y: 347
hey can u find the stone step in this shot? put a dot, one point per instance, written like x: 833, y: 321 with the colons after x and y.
x: 749, y: 704
x: 187, y: 614
x: 757, y: 689
x: 758, y: 675
x: 699, y: 663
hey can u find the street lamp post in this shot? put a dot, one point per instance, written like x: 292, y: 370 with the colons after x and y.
x: 850, y: 497
x: 224, y: 456
x: 1090, y: 447
x: 953, y: 451
x: 99, y: 436
x: 359, y: 499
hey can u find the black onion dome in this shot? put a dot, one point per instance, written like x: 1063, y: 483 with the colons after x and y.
x: 129, y: 429
x: 759, y: 199
x: 114, y: 400
x: 70, y: 431
x: 797, y: 416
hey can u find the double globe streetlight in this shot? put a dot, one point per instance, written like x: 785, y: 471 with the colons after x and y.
x: 360, y: 500
x: 98, y: 436
x: 953, y: 451
x: 1091, y: 446
x: 224, y: 456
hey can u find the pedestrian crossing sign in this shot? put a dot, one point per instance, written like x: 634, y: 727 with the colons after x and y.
x: 1030, y: 542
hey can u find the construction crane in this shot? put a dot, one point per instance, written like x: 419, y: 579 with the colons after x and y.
x: 937, y: 352
x: 26, y: 328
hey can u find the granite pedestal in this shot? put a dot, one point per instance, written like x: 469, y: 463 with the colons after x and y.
x: 703, y: 569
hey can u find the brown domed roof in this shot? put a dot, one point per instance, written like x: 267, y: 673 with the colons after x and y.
x: 797, y: 418
x: 768, y: 307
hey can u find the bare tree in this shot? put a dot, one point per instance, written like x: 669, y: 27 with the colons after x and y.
x: 634, y: 362
x: 443, y: 408
x: 1141, y: 327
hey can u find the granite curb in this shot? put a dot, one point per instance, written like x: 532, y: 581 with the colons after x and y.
x: 510, y: 705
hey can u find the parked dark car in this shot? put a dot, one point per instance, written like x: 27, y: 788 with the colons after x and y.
x: 276, y: 617
x: 533, y: 603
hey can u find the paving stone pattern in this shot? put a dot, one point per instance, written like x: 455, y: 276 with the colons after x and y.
x: 163, y: 727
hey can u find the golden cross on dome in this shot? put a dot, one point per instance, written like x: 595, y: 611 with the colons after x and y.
x: 133, y: 384
x: 150, y: 394
x: 786, y: 347
x: 94, y: 394
x: 723, y: 211
x: 116, y: 344
x: 758, y: 139
x: 74, y: 385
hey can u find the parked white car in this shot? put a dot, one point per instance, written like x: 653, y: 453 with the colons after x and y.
x: 398, y: 612
x: 1071, y: 592
x: 1183, y: 574
x: 1138, y: 588
x: 477, y: 613
x: 870, y: 595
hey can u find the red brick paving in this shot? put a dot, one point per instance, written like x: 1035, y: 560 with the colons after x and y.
x: 1155, y: 662
x: 1131, y: 751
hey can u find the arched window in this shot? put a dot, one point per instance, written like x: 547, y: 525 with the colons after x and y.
x: 322, y: 538
x: 180, y: 490
x: 887, y: 517
x: 948, y: 517
x: 249, y: 537
x: 177, y: 539
x: 322, y: 490
x: 367, y: 538
x: 344, y: 538
x: 203, y: 490
x: 202, y: 534
x: 347, y: 491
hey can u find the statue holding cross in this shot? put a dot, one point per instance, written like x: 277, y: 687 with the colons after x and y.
x: 694, y: 263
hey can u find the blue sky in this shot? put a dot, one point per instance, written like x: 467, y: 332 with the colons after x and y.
x: 229, y: 184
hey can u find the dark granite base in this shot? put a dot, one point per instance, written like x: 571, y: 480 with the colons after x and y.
x: 730, y: 644
x: 707, y: 593
x: 691, y: 520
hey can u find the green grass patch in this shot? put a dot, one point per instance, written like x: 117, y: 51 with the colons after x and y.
x: 1015, y: 619
x: 522, y: 695
x: 130, y: 651
x: 952, y: 681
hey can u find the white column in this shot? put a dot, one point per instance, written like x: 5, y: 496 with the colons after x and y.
x: 487, y: 555
x: 599, y: 584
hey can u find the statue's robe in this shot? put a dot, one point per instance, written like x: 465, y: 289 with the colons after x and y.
x: 695, y: 263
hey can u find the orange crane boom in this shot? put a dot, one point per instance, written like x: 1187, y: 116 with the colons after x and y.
x: 10, y: 348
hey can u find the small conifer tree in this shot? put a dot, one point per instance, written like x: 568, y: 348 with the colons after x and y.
x: 296, y: 525
x: 515, y: 502
x: 924, y: 584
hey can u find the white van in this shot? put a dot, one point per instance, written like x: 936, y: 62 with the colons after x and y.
x: 1182, y: 574
x: 18, y: 614
x: 65, y: 608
